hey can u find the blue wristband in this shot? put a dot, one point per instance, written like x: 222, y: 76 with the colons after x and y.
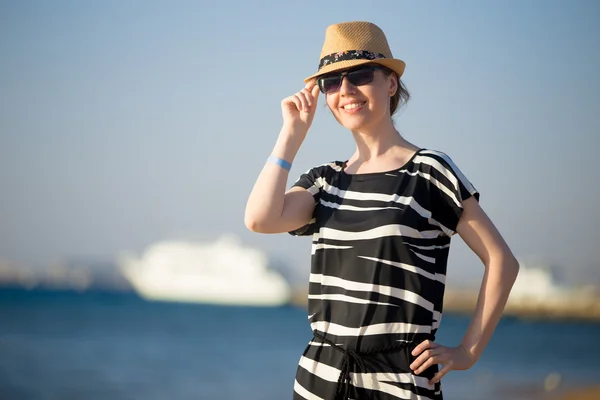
x: 281, y: 162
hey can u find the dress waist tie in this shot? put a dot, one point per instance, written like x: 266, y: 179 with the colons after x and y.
x: 357, y: 357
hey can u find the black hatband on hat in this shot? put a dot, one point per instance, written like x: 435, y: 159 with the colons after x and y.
x: 349, y: 55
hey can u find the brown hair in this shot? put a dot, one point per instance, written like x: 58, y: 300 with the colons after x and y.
x: 401, y: 96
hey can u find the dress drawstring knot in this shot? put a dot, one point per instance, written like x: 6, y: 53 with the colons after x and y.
x: 357, y: 357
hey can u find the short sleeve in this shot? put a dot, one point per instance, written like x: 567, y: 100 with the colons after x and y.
x: 449, y: 187
x: 311, y: 181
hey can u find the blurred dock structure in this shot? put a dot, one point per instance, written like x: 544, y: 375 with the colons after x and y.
x: 75, y: 275
x: 580, y: 305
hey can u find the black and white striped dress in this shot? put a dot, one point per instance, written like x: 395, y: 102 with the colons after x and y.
x: 379, y: 255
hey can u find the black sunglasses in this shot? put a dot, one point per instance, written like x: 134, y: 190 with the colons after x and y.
x: 357, y: 76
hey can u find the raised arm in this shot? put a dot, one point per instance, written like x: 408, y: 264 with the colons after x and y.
x: 270, y: 209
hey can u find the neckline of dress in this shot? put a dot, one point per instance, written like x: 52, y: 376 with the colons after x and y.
x: 412, y: 157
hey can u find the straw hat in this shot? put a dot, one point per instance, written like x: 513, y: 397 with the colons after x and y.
x: 354, y: 43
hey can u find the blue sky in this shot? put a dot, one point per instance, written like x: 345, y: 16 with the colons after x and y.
x: 124, y: 123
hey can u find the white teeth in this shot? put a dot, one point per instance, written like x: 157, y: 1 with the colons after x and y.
x: 351, y: 106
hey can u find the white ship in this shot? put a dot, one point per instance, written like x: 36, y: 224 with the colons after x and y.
x: 536, y: 284
x: 538, y: 293
x: 223, y: 272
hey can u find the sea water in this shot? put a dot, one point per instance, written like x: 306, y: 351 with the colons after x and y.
x: 64, y: 345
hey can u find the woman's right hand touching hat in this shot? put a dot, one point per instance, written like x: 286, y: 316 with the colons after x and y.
x: 299, y: 109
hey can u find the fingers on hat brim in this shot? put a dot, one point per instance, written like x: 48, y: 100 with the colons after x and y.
x: 310, y: 83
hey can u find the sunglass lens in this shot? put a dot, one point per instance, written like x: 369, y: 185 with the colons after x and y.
x: 330, y: 84
x: 358, y: 77
x: 361, y: 76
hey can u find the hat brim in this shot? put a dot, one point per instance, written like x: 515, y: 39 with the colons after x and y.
x: 395, y: 65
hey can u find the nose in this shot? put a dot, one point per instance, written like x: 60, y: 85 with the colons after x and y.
x: 347, y: 87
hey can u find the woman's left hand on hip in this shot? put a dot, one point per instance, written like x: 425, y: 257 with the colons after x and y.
x: 428, y: 353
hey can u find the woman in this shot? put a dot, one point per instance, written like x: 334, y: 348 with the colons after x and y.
x: 381, y: 224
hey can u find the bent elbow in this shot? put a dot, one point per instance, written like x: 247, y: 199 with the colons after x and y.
x: 255, y: 225
x: 516, y: 267
x: 505, y: 265
x: 511, y: 267
x: 251, y: 223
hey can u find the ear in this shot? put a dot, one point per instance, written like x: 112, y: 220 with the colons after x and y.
x: 393, y: 84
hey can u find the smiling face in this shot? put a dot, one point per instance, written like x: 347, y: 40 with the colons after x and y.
x: 363, y: 107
